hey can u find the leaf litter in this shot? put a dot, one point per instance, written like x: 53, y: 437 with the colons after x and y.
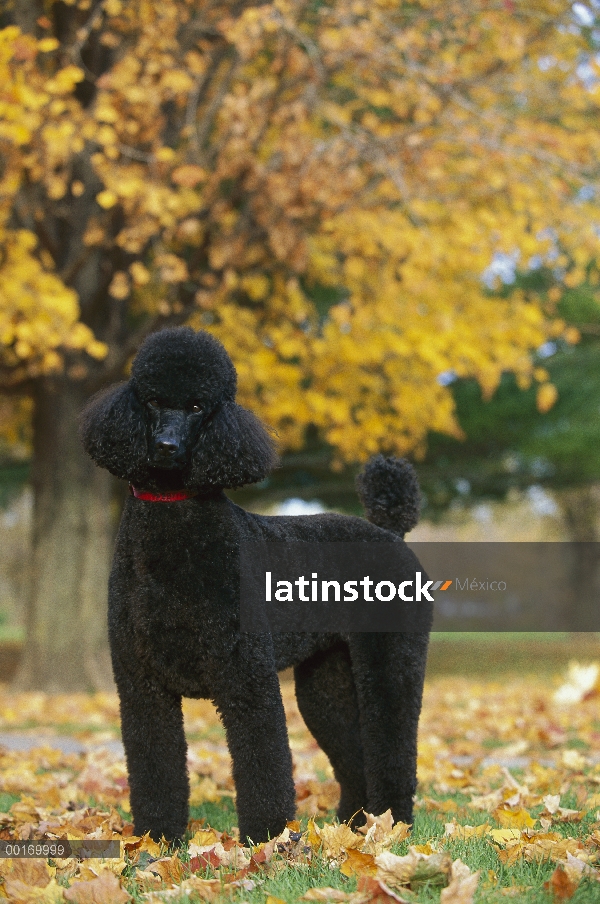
x: 508, y: 768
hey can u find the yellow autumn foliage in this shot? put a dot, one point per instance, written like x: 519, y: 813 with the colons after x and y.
x: 323, y: 188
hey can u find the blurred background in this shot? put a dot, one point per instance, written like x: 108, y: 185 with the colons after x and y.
x: 387, y: 212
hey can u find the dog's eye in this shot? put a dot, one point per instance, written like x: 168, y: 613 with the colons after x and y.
x: 153, y: 403
x: 197, y: 408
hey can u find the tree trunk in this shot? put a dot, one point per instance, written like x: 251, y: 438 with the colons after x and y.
x: 66, y: 645
x: 581, y: 511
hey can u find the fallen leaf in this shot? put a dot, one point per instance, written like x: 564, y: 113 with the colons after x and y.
x: 106, y: 889
x: 505, y: 836
x: 375, y: 891
x: 31, y: 872
x: 514, y: 818
x: 325, y: 894
x: 413, y: 869
x: 170, y: 869
x: 462, y: 886
x: 358, y: 864
x: 560, y: 885
x: 338, y: 839
x: 457, y: 831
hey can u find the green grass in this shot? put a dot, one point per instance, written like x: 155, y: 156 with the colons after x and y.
x: 292, y: 882
x: 7, y: 800
x: 493, y: 654
x: 12, y: 633
x: 220, y: 816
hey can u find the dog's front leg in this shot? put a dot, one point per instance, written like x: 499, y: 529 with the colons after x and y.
x: 156, y: 753
x: 252, y: 712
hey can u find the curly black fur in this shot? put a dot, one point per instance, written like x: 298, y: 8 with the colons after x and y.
x: 174, y: 605
x: 389, y: 492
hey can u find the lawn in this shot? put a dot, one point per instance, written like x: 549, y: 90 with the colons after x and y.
x: 508, y: 805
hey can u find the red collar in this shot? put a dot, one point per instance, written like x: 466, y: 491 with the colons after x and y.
x: 175, y: 496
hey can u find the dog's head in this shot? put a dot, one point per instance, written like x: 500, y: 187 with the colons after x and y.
x: 176, y: 419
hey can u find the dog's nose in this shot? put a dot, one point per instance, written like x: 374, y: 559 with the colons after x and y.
x: 167, y: 447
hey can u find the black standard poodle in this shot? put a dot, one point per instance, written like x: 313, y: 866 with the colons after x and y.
x: 175, y: 432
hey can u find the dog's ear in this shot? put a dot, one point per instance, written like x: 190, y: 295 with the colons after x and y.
x: 233, y: 449
x: 113, y: 431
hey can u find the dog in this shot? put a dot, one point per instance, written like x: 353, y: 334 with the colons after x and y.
x: 175, y: 432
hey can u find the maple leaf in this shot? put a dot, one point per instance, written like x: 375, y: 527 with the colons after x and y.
x: 106, y: 889
x: 413, y: 868
x: 358, y: 863
x: 381, y: 832
x: 560, y: 885
x: 325, y: 894
x: 462, y: 886
x: 22, y: 893
x: 375, y: 891
x: 337, y: 839
x: 514, y: 818
x: 170, y: 869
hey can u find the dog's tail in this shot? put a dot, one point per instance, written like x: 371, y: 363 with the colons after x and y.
x: 389, y: 491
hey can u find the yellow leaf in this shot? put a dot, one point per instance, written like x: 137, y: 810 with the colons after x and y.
x: 505, y: 836
x: 546, y: 397
x: 358, y: 864
x: 106, y: 198
x: 119, y: 285
x: 141, y: 276
x: 48, y: 44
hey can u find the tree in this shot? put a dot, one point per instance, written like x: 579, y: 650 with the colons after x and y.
x: 320, y: 185
x: 514, y: 442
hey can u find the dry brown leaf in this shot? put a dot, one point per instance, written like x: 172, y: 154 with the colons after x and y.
x: 207, y: 889
x: 217, y: 855
x: 106, y: 889
x: 455, y: 830
x: 170, y: 869
x: 560, y: 885
x: 375, y: 891
x: 338, y: 839
x: 31, y: 872
x: 21, y: 893
x: 147, y: 881
x: 544, y: 847
x: 413, y: 868
x: 432, y: 869
x: 380, y: 832
x: 395, y: 869
x: 462, y: 886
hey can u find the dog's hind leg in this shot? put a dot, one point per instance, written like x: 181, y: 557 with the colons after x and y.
x: 389, y: 671
x: 328, y: 703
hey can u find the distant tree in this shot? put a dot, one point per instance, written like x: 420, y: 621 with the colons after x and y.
x: 513, y: 441
x: 320, y: 185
